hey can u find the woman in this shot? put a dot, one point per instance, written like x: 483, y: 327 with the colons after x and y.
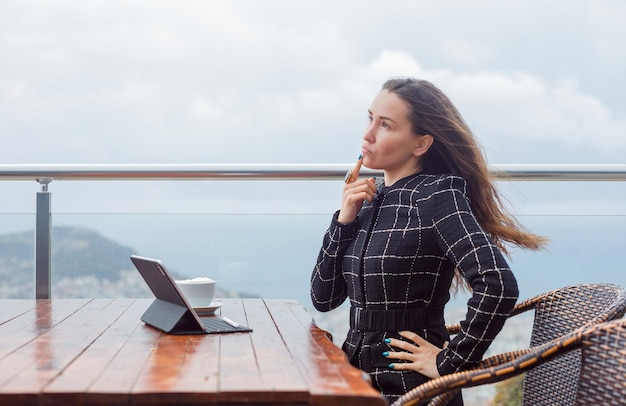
x: 396, y: 248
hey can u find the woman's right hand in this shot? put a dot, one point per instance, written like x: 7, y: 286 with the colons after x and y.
x: 354, y: 194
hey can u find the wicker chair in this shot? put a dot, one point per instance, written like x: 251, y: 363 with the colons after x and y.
x: 602, y: 379
x: 560, y: 313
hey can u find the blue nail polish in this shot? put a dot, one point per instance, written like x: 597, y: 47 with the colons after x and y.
x: 387, y: 340
x: 360, y: 156
x: 391, y: 366
x: 385, y: 353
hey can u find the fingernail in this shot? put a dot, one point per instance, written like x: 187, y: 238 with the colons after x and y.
x: 387, y: 340
x: 385, y: 353
x: 360, y: 156
x: 391, y: 366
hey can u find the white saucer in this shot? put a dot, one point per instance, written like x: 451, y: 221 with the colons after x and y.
x: 208, y: 310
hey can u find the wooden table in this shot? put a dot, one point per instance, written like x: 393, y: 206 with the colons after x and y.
x: 98, y: 352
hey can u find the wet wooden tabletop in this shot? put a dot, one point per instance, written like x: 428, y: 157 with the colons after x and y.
x: 98, y: 352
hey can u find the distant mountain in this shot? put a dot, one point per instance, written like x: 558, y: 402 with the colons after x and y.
x: 84, y: 264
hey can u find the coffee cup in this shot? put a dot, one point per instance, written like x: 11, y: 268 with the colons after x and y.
x: 199, y: 292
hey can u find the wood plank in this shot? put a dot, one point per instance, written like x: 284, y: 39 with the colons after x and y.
x: 73, y: 386
x: 25, y: 319
x: 281, y: 378
x: 157, y: 382
x: 239, y: 376
x: 26, y: 358
x: 13, y: 308
x: 114, y: 385
x: 199, y: 372
x: 64, y: 329
x: 358, y: 381
x: 332, y: 379
x: 58, y: 347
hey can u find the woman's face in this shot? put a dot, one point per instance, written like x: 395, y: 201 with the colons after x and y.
x: 389, y: 143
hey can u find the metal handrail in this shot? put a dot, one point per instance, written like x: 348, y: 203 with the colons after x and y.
x: 49, y: 172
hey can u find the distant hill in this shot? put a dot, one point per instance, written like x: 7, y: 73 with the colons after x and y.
x: 84, y: 264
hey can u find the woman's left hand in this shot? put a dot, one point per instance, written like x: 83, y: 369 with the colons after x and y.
x: 421, y: 357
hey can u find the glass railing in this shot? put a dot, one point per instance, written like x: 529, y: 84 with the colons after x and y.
x: 217, y: 228
x: 267, y: 255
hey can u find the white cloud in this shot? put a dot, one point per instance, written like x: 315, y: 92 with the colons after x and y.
x: 195, y: 81
x: 528, y: 108
x: 467, y: 53
x: 203, y: 108
x: 394, y: 63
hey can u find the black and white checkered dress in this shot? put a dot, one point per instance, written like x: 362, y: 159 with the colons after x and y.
x: 399, y: 256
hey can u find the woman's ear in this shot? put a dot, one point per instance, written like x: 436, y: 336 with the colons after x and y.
x: 423, y: 143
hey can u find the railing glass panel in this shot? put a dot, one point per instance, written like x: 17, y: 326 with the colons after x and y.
x: 268, y: 255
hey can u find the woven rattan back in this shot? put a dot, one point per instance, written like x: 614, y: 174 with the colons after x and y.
x: 558, y: 313
x: 602, y: 378
x: 564, y: 331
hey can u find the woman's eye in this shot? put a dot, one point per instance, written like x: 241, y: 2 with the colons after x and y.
x: 384, y: 125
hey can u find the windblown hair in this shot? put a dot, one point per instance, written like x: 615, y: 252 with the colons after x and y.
x: 456, y: 151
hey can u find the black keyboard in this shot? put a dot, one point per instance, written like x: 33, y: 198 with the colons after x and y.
x: 217, y: 325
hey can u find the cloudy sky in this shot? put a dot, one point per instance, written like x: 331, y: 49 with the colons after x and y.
x: 290, y: 81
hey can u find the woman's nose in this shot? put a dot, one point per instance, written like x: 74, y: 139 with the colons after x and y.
x: 369, y: 134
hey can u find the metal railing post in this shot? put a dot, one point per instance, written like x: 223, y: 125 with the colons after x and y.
x: 43, y: 231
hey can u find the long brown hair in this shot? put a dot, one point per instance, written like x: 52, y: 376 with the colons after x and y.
x: 456, y: 151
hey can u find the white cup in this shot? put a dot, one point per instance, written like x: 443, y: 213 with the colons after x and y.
x: 199, y: 292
